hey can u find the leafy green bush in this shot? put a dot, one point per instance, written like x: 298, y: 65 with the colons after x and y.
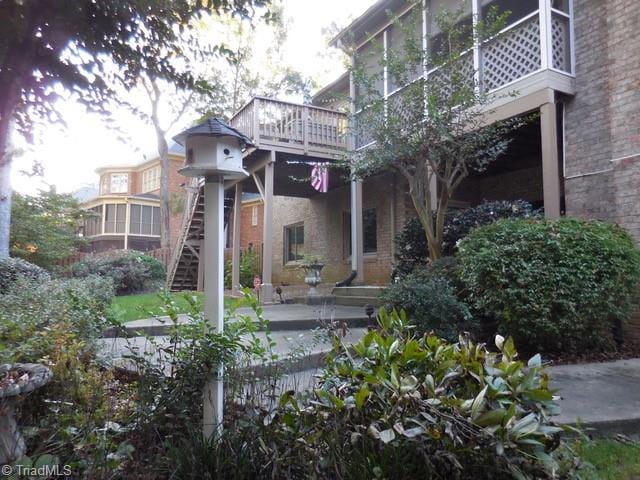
x: 397, y: 406
x: 560, y: 286
x: 249, y: 268
x: 58, y: 323
x: 430, y: 299
x: 412, y: 244
x: 130, y: 271
x: 11, y: 269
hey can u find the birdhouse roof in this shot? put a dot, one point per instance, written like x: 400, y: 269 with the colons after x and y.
x: 214, y: 128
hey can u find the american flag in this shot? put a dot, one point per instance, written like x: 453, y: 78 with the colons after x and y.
x: 320, y: 177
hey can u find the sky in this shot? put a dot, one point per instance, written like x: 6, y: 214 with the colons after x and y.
x: 70, y: 153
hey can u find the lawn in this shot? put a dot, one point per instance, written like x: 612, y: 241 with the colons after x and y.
x: 145, y: 305
x: 612, y: 460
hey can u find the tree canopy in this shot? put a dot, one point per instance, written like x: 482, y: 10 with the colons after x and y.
x: 433, y: 128
x: 44, y: 228
x: 52, y: 47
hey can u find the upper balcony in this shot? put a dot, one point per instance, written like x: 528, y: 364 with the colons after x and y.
x: 292, y: 128
x: 533, y: 52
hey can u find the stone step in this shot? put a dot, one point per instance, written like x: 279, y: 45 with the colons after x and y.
x: 357, y: 301
x: 364, y: 291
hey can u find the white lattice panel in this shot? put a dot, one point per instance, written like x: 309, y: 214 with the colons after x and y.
x: 559, y: 42
x: 441, y: 79
x: 514, y: 54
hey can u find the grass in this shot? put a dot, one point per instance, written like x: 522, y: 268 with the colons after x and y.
x: 612, y: 460
x: 146, y: 305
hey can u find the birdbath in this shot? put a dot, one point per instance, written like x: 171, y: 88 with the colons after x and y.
x: 16, y: 381
x: 312, y: 277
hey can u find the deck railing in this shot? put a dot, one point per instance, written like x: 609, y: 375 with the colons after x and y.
x: 291, y: 126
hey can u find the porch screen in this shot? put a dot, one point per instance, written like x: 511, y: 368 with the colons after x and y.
x: 115, y: 218
x: 145, y: 220
x: 294, y: 242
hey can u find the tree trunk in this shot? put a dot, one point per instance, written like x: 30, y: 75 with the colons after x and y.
x: 5, y: 177
x: 165, y: 214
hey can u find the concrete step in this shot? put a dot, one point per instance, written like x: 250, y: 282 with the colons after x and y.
x: 357, y: 301
x: 364, y: 291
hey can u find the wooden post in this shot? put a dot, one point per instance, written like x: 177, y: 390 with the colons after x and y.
x: 235, y: 253
x: 213, y: 399
x: 267, y: 231
x: 550, y: 160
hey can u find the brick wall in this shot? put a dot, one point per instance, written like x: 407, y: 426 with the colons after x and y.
x: 251, y: 234
x: 323, y: 218
x: 602, y: 123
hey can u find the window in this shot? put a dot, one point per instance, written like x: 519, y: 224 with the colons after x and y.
x: 115, y: 218
x: 369, y: 231
x: 294, y: 242
x: 119, y: 183
x: 93, y: 224
x: 151, y: 179
x: 145, y: 220
x: 254, y: 216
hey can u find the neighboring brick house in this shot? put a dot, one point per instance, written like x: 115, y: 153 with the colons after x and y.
x: 573, y: 62
x: 127, y: 207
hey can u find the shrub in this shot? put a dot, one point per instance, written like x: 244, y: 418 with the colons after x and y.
x: 555, y: 286
x: 130, y: 271
x: 430, y: 299
x: 58, y: 323
x: 11, y: 269
x: 249, y: 268
x: 397, y: 406
x: 412, y: 244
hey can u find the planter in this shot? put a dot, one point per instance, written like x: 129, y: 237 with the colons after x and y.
x: 313, y: 278
x: 16, y: 381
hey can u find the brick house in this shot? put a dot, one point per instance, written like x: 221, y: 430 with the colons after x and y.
x: 574, y: 62
x: 128, y: 205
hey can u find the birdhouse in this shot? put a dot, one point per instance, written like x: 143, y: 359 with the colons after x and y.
x: 213, y: 148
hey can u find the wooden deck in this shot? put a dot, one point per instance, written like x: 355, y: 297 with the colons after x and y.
x: 293, y: 128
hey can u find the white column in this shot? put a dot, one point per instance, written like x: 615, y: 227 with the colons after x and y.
x: 214, y: 297
x: 127, y: 218
x: 546, y: 49
x: 235, y: 253
x: 357, y: 254
x: 550, y: 160
x: 267, y: 231
x: 477, y: 53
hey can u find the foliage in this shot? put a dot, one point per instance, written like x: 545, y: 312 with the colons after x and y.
x: 129, y: 270
x: 44, y: 228
x: 249, y: 268
x: 611, y: 459
x: 430, y: 299
x: 398, y: 406
x: 83, y: 49
x: 412, y: 242
x: 57, y: 323
x: 434, y: 133
x: 13, y: 269
x: 561, y: 286
x: 460, y: 223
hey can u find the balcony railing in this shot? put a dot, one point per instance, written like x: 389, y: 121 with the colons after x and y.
x: 286, y: 126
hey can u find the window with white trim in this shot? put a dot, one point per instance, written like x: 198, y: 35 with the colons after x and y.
x: 151, y: 179
x: 254, y: 216
x: 119, y: 183
x: 294, y: 242
x: 115, y: 218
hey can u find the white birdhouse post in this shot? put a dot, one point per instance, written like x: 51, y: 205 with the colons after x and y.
x: 213, y: 151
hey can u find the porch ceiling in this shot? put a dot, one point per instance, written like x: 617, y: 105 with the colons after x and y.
x: 292, y: 176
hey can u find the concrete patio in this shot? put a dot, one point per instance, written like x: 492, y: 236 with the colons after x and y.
x: 603, y: 397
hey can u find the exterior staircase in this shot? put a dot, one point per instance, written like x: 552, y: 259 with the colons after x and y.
x: 182, y: 273
x: 357, y: 296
